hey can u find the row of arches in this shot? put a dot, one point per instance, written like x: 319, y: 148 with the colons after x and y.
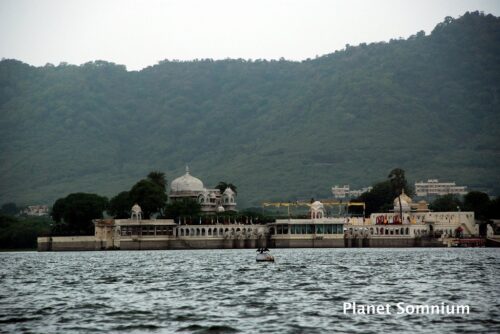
x: 390, y: 231
x: 211, y: 232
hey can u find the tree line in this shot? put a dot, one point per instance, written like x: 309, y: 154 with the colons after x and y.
x: 75, y: 212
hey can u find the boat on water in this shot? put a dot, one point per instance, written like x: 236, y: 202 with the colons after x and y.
x: 264, y: 255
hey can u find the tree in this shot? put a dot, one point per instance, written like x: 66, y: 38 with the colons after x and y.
x: 120, y: 205
x: 183, y: 207
x: 494, y: 209
x: 478, y: 202
x: 150, y: 196
x: 446, y: 203
x: 398, y: 184
x: 77, y: 210
x: 379, y: 199
x: 222, y: 186
x: 158, y: 178
x: 10, y: 209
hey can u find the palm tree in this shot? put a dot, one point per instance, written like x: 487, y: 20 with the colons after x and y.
x: 158, y: 178
x: 398, y: 182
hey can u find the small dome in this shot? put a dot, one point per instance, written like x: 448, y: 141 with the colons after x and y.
x: 186, y: 183
x: 405, y: 202
x: 405, y: 199
x: 136, y: 208
x: 220, y: 208
x: 317, y: 206
x: 229, y: 191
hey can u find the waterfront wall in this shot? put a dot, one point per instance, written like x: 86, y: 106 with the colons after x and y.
x: 191, y: 243
x: 392, y: 242
x: 307, y: 243
x: 76, y: 243
x: 89, y: 243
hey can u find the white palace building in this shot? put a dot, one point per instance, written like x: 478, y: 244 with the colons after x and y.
x: 211, y: 200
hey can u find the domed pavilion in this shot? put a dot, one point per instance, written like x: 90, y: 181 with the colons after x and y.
x: 188, y: 186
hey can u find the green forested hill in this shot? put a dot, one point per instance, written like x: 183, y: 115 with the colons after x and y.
x: 277, y: 129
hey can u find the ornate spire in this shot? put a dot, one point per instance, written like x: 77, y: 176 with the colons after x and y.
x: 187, y: 169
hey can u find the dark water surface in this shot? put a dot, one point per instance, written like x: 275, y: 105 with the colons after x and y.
x: 226, y: 291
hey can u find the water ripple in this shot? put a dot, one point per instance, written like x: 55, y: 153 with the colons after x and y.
x: 226, y: 291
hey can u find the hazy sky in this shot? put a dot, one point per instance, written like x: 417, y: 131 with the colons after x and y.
x: 140, y: 33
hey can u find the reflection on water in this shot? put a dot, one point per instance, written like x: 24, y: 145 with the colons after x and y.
x: 226, y: 291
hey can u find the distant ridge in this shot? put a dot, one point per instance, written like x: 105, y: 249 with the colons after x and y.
x: 276, y: 129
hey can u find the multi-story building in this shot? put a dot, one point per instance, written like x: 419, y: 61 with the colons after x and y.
x: 435, y: 188
x: 345, y: 191
x: 36, y: 210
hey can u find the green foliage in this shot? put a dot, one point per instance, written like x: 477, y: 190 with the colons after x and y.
x: 478, y: 202
x: 222, y: 186
x: 282, y: 130
x: 150, y: 196
x: 18, y: 233
x: 9, y: 209
x: 159, y: 179
x: 182, y: 207
x: 120, y: 205
x: 494, y: 209
x: 379, y: 199
x: 74, y: 213
x: 446, y: 203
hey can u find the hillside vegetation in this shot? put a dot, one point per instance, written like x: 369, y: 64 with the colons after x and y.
x: 276, y: 129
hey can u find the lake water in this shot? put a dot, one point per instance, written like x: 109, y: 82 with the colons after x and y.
x: 226, y: 291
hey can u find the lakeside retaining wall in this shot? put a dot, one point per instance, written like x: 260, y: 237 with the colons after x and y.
x: 76, y: 243
x: 89, y: 243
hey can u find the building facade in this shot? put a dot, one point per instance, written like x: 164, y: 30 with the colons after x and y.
x: 210, y: 200
x: 341, y: 192
x: 433, y: 187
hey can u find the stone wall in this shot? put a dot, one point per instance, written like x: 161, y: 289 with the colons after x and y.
x: 77, y: 243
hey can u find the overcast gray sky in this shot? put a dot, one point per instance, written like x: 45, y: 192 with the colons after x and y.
x: 140, y: 33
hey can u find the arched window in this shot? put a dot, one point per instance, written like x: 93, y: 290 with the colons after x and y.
x: 187, y: 232
x: 203, y: 232
x: 209, y: 231
x: 407, y: 231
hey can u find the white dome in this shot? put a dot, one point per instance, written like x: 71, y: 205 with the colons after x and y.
x: 405, y: 199
x: 405, y: 202
x: 229, y: 191
x: 186, y: 183
x: 136, y: 208
x: 317, y: 206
